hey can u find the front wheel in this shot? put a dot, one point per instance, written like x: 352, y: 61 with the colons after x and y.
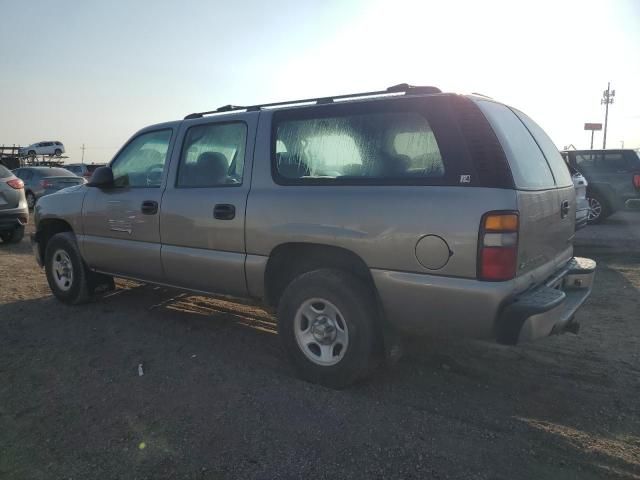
x: 326, y: 322
x: 58, y: 152
x: 67, y: 275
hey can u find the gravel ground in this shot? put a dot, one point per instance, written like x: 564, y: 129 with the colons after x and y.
x: 218, y: 399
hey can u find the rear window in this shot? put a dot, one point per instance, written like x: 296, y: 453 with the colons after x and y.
x: 550, y: 151
x: 92, y: 168
x: 394, y: 147
x: 56, y: 172
x: 4, y: 172
x: 528, y: 166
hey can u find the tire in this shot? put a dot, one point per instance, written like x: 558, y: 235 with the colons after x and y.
x: 67, y: 275
x: 14, y: 236
x: 31, y: 153
x: 57, y: 152
x: 31, y: 200
x: 339, y: 326
x: 598, y: 209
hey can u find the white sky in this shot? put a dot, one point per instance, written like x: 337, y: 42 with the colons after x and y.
x: 94, y: 72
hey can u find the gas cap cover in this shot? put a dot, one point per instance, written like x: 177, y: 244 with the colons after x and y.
x: 433, y: 252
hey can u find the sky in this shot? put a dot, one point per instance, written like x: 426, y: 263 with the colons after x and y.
x: 94, y: 72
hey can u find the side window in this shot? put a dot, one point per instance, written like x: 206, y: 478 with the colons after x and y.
x: 392, y: 146
x: 213, y: 155
x: 141, y: 163
x: 552, y: 154
x: 528, y: 166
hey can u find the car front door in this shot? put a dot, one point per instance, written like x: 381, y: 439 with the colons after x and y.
x: 121, y: 223
x: 203, y: 207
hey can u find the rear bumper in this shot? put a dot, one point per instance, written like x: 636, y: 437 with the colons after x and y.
x: 548, y: 308
x: 442, y: 306
x: 16, y: 218
x: 632, y: 204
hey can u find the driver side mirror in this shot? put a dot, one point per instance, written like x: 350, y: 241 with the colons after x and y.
x: 102, y: 178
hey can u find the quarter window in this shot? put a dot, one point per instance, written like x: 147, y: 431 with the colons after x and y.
x: 528, y: 166
x: 141, y: 163
x: 550, y: 151
x: 213, y: 155
x: 391, y: 146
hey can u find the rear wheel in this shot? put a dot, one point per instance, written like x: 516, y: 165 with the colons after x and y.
x: 326, y: 322
x: 31, y: 200
x: 32, y: 153
x: 598, y: 209
x: 58, y: 152
x: 14, y: 236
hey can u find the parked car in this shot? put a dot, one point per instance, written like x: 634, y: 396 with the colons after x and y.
x: 41, y: 181
x: 406, y: 211
x: 42, y: 148
x: 614, y: 179
x: 582, y: 203
x: 82, y: 169
x: 14, y: 213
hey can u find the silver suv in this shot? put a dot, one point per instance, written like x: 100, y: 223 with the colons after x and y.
x: 357, y: 217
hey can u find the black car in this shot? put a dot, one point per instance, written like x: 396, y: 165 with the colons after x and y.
x: 613, y: 176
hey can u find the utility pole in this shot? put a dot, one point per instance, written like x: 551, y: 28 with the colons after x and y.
x: 84, y: 148
x: 607, y: 98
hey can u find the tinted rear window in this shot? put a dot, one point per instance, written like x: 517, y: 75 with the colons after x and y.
x: 4, y: 172
x: 55, y: 172
x: 528, y: 165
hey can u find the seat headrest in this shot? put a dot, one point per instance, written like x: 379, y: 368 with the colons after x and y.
x: 291, y: 165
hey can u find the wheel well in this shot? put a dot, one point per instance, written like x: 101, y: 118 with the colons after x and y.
x: 47, y: 229
x: 605, y: 193
x: 290, y: 260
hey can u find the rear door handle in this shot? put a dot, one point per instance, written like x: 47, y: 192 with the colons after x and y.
x: 149, y: 207
x: 224, y: 211
x: 564, y: 209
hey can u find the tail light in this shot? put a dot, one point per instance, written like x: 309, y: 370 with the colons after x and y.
x: 46, y: 183
x: 16, y: 183
x: 498, y: 246
x: 636, y: 181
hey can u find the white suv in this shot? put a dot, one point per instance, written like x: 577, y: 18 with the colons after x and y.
x: 42, y: 148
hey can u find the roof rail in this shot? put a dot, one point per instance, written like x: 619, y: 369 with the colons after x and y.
x: 395, y: 89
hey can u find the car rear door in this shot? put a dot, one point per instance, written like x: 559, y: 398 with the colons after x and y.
x: 546, y: 196
x: 203, y: 208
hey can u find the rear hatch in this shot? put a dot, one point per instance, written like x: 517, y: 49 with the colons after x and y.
x: 545, y: 193
x: 9, y: 195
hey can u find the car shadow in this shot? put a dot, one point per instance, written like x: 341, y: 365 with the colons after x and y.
x: 563, y: 404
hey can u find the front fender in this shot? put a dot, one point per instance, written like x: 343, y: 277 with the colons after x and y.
x: 64, y: 205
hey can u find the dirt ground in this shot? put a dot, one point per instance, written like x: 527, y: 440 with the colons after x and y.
x: 218, y: 399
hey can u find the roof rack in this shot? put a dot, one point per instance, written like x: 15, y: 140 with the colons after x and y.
x: 400, y: 88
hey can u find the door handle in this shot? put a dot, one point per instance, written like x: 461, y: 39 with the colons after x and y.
x: 149, y: 207
x: 224, y: 211
x: 564, y: 209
